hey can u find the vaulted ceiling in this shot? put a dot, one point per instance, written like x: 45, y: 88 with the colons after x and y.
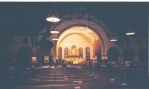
x: 28, y: 18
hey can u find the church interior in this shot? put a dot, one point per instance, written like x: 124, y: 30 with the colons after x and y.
x: 74, y: 45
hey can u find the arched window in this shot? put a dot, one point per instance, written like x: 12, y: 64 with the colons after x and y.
x: 25, y: 40
x: 139, y: 42
x: 127, y: 41
x: 80, y: 52
x: 87, y: 53
x: 66, y: 52
x: 59, y: 53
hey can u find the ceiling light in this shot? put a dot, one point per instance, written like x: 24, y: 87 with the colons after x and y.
x: 130, y: 33
x: 113, y: 39
x: 52, y: 18
x: 53, y: 15
x: 55, y: 39
x: 54, y: 31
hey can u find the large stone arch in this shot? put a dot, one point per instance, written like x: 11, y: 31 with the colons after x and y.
x: 93, y: 29
x: 128, y: 54
x: 24, y: 55
x: 113, y: 53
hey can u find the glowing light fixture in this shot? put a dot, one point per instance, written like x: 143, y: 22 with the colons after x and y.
x: 54, y: 31
x: 113, y: 39
x: 34, y: 59
x: 130, y: 32
x: 46, y: 59
x: 55, y: 39
x: 54, y: 16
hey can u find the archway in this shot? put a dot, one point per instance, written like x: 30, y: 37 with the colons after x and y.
x: 77, y: 37
x: 24, y: 55
x: 113, y: 54
x: 128, y: 54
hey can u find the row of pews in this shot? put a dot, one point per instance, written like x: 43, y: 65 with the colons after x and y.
x: 71, y: 78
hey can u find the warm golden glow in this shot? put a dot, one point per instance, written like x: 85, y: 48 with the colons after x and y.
x: 104, y: 57
x: 34, y: 59
x: 46, y: 59
x: 81, y: 37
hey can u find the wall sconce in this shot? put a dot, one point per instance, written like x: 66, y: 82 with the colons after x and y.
x: 34, y: 59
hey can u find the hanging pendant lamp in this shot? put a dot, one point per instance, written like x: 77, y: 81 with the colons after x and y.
x: 53, y: 17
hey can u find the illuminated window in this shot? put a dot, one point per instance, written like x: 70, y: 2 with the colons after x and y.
x: 66, y: 52
x: 87, y: 53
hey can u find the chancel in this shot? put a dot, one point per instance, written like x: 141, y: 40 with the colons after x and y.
x: 74, y: 45
x: 73, y: 55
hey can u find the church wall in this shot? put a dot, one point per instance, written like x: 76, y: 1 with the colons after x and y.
x: 105, y: 41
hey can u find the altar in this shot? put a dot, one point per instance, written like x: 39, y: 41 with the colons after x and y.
x: 74, y: 60
x: 74, y: 55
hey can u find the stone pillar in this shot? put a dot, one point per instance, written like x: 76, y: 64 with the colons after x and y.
x: 120, y: 58
x: 136, y: 58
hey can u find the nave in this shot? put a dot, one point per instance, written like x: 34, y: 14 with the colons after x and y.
x: 71, y: 78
